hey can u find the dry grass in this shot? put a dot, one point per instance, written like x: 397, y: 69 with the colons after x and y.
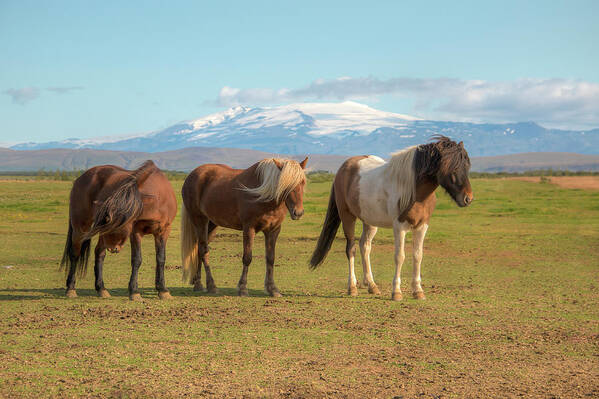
x: 511, y: 310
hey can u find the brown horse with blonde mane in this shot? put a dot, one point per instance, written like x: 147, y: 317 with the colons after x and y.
x: 252, y: 200
x: 400, y: 194
x: 117, y: 204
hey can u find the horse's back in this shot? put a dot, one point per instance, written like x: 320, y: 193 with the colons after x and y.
x: 160, y: 203
x: 347, y: 184
x: 89, y: 188
x: 99, y: 182
x: 211, y: 190
x: 204, y: 177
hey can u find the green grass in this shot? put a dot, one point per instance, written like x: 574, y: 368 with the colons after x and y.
x: 512, y: 308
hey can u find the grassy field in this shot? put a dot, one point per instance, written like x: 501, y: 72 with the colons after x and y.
x: 512, y: 308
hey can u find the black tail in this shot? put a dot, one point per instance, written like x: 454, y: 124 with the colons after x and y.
x: 327, y: 235
x: 69, y: 259
x: 123, y: 205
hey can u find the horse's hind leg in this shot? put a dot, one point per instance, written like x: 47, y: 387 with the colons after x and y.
x: 135, y: 264
x: 74, y: 252
x: 418, y: 238
x: 100, y: 254
x: 349, y: 226
x: 270, y: 241
x: 211, y: 232
x: 71, y: 292
x: 248, y: 242
x: 160, y: 245
x: 368, y: 233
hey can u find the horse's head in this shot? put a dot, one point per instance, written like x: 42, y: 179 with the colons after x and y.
x: 452, y: 174
x: 295, y: 198
x: 281, y: 181
x: 115, y: 241
x: 122, y: 226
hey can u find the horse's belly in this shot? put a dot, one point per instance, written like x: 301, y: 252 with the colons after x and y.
x: 227, y: 223
x: 376, y: 220
x: 373, y: 205
x: 223, y: 219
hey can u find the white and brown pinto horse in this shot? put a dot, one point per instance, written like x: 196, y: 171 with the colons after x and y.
x: 253, y: 200
x: 398, y: 194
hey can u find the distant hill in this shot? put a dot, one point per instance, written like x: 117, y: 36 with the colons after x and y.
x: 536, y: 161
x: 183, y: 160
x: 335, y: 128
x: 188, y: 158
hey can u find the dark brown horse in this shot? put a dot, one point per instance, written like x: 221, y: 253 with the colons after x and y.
x: 398, y: 194
x: 118, y: 204
x: 251, y: 200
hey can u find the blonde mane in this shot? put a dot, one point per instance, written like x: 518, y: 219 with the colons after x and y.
x: 275, y: 183
x: 400, y: 173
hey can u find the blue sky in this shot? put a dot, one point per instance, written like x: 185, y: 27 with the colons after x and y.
x: 84, y: 69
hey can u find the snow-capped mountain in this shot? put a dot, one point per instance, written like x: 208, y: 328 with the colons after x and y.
x: 336, y: 128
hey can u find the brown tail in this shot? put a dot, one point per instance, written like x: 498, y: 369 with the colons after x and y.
x: 70, y: 259
x: 189, y: 247
x: 123, y: 205
x: 327, y: 235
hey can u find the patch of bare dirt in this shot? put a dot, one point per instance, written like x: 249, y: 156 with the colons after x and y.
x: 579, y: 182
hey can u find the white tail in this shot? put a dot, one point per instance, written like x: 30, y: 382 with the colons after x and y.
x: 189, y: 247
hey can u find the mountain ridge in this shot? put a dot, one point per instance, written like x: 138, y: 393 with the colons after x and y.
x: 335, y: 128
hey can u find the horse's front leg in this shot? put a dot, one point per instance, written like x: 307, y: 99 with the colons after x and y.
x: 135, y: 264
x: 248, y: 242
x: 270, y: 241
x: 160, y: 245
x: 418, y: 242
x: 399, y: 232
x: 100, y: 254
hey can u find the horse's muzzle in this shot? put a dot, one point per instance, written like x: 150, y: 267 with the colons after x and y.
x: 467, y: 200
x: 115, y: 250
x: 295, y: 215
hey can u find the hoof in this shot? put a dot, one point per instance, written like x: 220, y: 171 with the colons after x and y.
x: 353, y: 291
x: 103, y: 293
x: 274, y: 294
x: 418, y: 295
x: 396, y: 296
x: 164, y: 295
x: 212, y: 289
x: 373, y: 289
x: 243, y: 292
x: 198, y: 288
x: 71, y: 294
x: 135, y: 297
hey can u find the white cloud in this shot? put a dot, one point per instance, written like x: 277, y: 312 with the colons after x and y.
x: 26, y: 94
x: 23, y: 95
x: 552, y: 102
x: 64, y: 89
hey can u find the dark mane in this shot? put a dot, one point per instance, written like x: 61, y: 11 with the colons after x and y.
x: 124, y: 204
x: 442, y: 155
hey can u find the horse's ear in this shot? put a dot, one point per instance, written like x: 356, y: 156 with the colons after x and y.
x: 303, y: 163
x: 461, y: 144
x: 278, y: 163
